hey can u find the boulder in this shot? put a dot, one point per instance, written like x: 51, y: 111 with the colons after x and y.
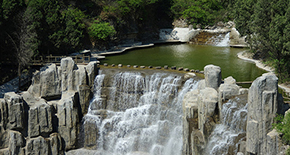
x: 262, y: 108
x: 213, y: 76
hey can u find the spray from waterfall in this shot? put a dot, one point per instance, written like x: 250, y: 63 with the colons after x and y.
x: 143, y: 113
x: 227, y: 136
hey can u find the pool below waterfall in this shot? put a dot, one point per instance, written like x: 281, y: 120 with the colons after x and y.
x: 192, y: 57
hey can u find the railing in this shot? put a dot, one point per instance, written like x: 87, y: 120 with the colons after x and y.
x: 78, y: 59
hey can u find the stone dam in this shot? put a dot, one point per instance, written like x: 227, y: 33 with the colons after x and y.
x: 76, y: 109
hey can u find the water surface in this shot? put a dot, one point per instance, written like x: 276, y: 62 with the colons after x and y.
x: 192, y: 57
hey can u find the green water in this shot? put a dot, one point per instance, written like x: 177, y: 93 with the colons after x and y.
x: 192, y: 57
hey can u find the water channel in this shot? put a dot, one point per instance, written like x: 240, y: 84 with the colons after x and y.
x: 192, y: 57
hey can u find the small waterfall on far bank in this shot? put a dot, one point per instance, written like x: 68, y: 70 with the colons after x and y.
x: 221, y: 40
x: 227, y: 136
x: 132, y: 113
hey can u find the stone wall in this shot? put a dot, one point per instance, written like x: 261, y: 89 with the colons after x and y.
x: 202, y: 111
x: 46, y: 118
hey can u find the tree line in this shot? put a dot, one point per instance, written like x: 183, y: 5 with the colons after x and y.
x: 30, y: 28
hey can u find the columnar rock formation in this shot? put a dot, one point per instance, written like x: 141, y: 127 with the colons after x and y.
x: 263, y: 104
x: 203, y: 110
x: 46, y: 119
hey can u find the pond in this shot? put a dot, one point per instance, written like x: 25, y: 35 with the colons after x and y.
x: 192, y: 57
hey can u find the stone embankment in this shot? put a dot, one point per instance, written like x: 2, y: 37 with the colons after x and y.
x: 203, y: 110
x: 46, y: 118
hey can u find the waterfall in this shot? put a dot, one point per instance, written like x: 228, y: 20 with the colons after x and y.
x: 226, y: 137
x: 220, y: 40
x: 138, y: 114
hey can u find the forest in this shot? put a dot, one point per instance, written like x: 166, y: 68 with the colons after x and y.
x: 31, y: 28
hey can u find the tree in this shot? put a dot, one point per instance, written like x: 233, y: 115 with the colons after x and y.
x: 101, y: 31
x: 23, y: 42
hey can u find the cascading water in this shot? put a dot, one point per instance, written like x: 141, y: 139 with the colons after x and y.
x: 143, y: 113
x: 226, y: 137
x: 220, y: 40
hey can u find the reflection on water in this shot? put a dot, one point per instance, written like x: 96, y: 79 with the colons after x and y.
x: 192, y: 57
x: 181, y: 51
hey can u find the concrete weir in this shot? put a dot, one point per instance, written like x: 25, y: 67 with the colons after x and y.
x: 74, y: 109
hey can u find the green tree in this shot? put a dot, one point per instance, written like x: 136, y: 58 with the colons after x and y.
x: 202, y: 12
x: 71, y: 30
x: 101, y: 31
x: 243, y: 13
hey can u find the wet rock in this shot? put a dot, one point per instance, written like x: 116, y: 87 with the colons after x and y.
x: 173, y: 67
x: 189, y: 75
x: 120, y: 65
x: 226, y: 91
x: 135, y: 66
x: 158, y: 67
x: 128, y: 66
x: 113, y: 65
x: 180, y: 68
x: 165, y: 67
x: 85, y: 96
x: 142, y: 67
x: 91, y: 134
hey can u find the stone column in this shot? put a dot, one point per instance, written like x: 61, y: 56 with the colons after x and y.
x: 262, y: 107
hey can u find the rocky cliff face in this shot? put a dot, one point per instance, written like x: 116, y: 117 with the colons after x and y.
x: 46, y: 119
x: 203, y: 110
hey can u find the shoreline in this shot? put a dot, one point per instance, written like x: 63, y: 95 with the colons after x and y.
x: 102, y: 54
x: 269, y: 69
